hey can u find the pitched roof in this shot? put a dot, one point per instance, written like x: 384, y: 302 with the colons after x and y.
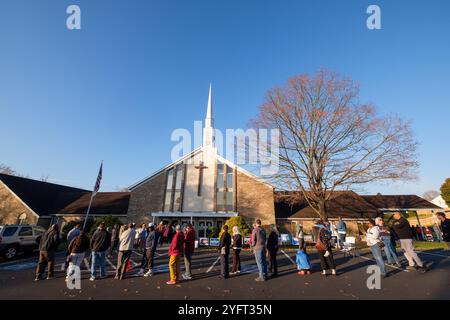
x: 399, y: 202
x: 104, y: 203
x: 345, y: 204
x: 42, y: 197
x: 191, y: 155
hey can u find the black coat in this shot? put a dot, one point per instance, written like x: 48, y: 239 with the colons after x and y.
x: 49, y: 241
x: 272, y: 242
x: 402, y: 229
x: 237, y: 241
x: 445, y: 226
x: 101, y: 240
x: 225, y: 242
x: 82, y: 247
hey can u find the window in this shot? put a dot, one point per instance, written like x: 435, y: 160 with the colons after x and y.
x: 179, y: 177
x: 9, y: 231
x: 174, y: 189
x: 26, y: 232
x: 225, y: 188
x: 169, y: 187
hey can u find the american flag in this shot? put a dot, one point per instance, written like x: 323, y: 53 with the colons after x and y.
x: 99, y: 179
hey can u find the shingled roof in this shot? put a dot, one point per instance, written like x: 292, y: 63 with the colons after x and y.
x: 345, y: 204
x: 399, y: 202
x: 42, y: 197
x: 104, y: 203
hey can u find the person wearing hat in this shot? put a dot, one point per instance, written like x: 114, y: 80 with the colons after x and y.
x: 150, y: 245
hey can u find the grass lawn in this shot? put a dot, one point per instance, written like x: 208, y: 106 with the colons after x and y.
x: 424, y: 245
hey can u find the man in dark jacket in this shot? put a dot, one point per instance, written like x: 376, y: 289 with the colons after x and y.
x: 403, y: 231
x: 224, y: 247
x: 445, y: 227
x: 189, y: 246
x: 100, y: 242
x: 151, y: 243
x: 47, y: 248
x: 259, y: 249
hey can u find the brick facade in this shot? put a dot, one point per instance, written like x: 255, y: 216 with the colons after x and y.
x: 255, y: 199
x: 147, y: 198
x: 11, y: 208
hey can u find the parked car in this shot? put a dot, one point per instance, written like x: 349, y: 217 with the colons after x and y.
x: 19, y: 238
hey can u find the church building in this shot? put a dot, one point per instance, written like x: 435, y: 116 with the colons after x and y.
x: 203, y: 188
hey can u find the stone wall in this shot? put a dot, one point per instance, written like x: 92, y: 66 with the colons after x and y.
x: 254, y: 199
x: 11, y: 208
x: 147, y: 198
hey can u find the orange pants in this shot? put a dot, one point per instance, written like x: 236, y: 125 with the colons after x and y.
x: 174, y: 268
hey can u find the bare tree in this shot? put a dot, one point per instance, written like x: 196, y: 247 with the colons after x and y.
x: 431, y: 195
x: 6, y: 169
x: 329, y: 141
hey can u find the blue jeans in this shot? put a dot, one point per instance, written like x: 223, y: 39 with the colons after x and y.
x: 98, y: 258
x: 260, y: 257
x: 389, y: 250
x: 376, y: 252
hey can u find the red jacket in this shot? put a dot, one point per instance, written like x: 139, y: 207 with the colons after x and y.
x: 189, y: 241
x: 176, y: 246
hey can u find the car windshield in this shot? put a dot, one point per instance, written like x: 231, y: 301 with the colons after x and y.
x: 9, y: 231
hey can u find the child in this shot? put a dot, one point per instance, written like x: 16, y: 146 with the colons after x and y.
x: 303, y: 264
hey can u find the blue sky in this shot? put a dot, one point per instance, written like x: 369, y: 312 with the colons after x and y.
x: 116, y: 89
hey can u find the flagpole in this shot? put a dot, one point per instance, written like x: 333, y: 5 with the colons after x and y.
x: 94, y: 192
x: 89, y: 209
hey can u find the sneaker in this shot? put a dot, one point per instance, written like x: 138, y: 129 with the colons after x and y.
x: 104, y: 277
x: 37, y: 279
x: 92, y: 279
x: 259, y: 279
x: 140, y: 273
x: 301, y: 273
x: 411, y: 268
x: 171, y: 282
x: 187, y: 277
x: 148, y: 273
x: 50, y: 278
x: 116, y: 278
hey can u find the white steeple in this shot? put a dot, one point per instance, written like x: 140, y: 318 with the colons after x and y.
x: 208, y: 131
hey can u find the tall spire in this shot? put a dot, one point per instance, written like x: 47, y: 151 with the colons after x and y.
x: 209, y: 121
x: 208, y: 131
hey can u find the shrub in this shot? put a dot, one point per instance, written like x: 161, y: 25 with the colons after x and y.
x: 109, y: 222
x: 240, y: 222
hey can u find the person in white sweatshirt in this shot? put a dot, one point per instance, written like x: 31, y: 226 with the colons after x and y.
x: 375, y: 244
x: 126, y: 243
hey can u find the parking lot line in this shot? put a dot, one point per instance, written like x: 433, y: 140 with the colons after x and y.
x: 212, y: 266
x: 110, y: 263
x: 289, y: 257
x: 385, y: 264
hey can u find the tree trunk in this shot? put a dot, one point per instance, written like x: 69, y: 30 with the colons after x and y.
x: 323, y: 210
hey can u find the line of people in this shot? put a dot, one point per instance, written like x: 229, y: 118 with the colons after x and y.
x: 379, y: 238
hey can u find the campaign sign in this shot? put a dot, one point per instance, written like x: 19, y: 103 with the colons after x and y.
x: 285, y: 238
x: 204, y: 241
x: 214, y: 242
x: 247, y: 241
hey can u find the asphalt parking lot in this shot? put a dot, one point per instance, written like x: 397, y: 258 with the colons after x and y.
x: 16, y: 280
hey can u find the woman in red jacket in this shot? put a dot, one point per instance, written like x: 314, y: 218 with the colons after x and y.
x: 175, y: 253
